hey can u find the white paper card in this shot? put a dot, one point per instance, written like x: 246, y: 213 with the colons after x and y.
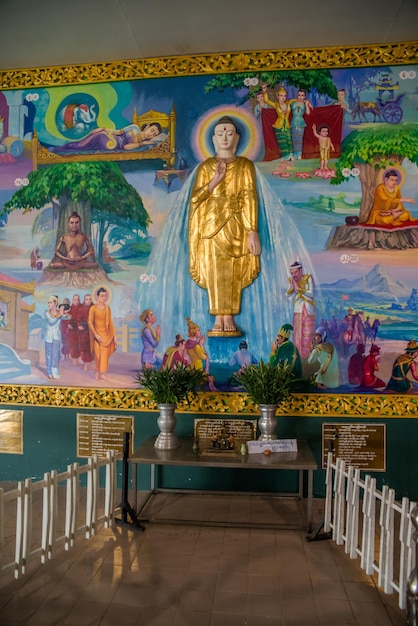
x: 276, y: 445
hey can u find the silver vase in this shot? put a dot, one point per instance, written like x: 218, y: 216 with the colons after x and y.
x: 167, y: 439
x: 267, y: 422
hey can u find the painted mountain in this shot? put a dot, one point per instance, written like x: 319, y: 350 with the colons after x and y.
x: 377, y: 283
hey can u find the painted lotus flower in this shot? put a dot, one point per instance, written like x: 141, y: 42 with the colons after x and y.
x: 282, y: 174
x: 326, y: 174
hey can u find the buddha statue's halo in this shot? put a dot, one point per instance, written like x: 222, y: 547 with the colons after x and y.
x: 202, y: 132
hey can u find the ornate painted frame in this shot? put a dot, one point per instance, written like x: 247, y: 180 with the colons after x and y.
x: 309, y: 405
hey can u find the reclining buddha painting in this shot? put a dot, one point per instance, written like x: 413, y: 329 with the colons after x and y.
x: 215, y: 220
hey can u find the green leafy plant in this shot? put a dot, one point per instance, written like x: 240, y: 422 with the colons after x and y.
x: 267, y: 384
x: 171, y: 386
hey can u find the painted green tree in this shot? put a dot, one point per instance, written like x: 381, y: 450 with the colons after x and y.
x: 131, y: 242
x: 91, y: 189
x: 130, y: 238
x: 372, y: 149
x: 319, y: 80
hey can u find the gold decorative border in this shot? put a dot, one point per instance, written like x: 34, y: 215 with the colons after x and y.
x: 402, y: 53
x: 306, y: 405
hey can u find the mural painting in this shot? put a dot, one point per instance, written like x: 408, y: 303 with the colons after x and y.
x: 212, y: 220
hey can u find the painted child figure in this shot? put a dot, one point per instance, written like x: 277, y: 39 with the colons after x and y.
x: 325, y: 144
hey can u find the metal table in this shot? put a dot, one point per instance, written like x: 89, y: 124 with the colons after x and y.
x: 301, y: 461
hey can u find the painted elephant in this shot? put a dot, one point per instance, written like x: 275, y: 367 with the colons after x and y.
x: 77, y: 118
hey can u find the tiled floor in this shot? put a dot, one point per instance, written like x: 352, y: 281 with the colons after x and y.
x: 187, y: 575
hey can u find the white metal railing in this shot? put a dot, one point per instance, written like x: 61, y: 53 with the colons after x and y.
x: 371, y: 525
x: 63, y: 517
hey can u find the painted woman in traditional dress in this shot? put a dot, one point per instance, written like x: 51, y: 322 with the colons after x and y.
x: 299, y: 107
x: 281, y: 126
x: 104, y: 139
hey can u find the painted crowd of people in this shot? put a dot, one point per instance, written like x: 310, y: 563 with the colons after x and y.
x: 84, y: 333
x: 288, y: 133
x: 81, y: 332
x: 362, y: 369
x: 189, y: 352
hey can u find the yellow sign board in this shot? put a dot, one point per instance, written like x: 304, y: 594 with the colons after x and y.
x: 359, y: 444
x: 96, y: 434
x: 11, y: 432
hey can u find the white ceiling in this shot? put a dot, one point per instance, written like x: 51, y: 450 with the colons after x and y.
x: 38, y: 33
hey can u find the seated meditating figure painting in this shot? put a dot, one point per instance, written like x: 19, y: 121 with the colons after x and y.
x: 74, y: 250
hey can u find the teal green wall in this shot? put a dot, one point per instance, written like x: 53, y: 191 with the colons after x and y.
x: 50, y: 443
